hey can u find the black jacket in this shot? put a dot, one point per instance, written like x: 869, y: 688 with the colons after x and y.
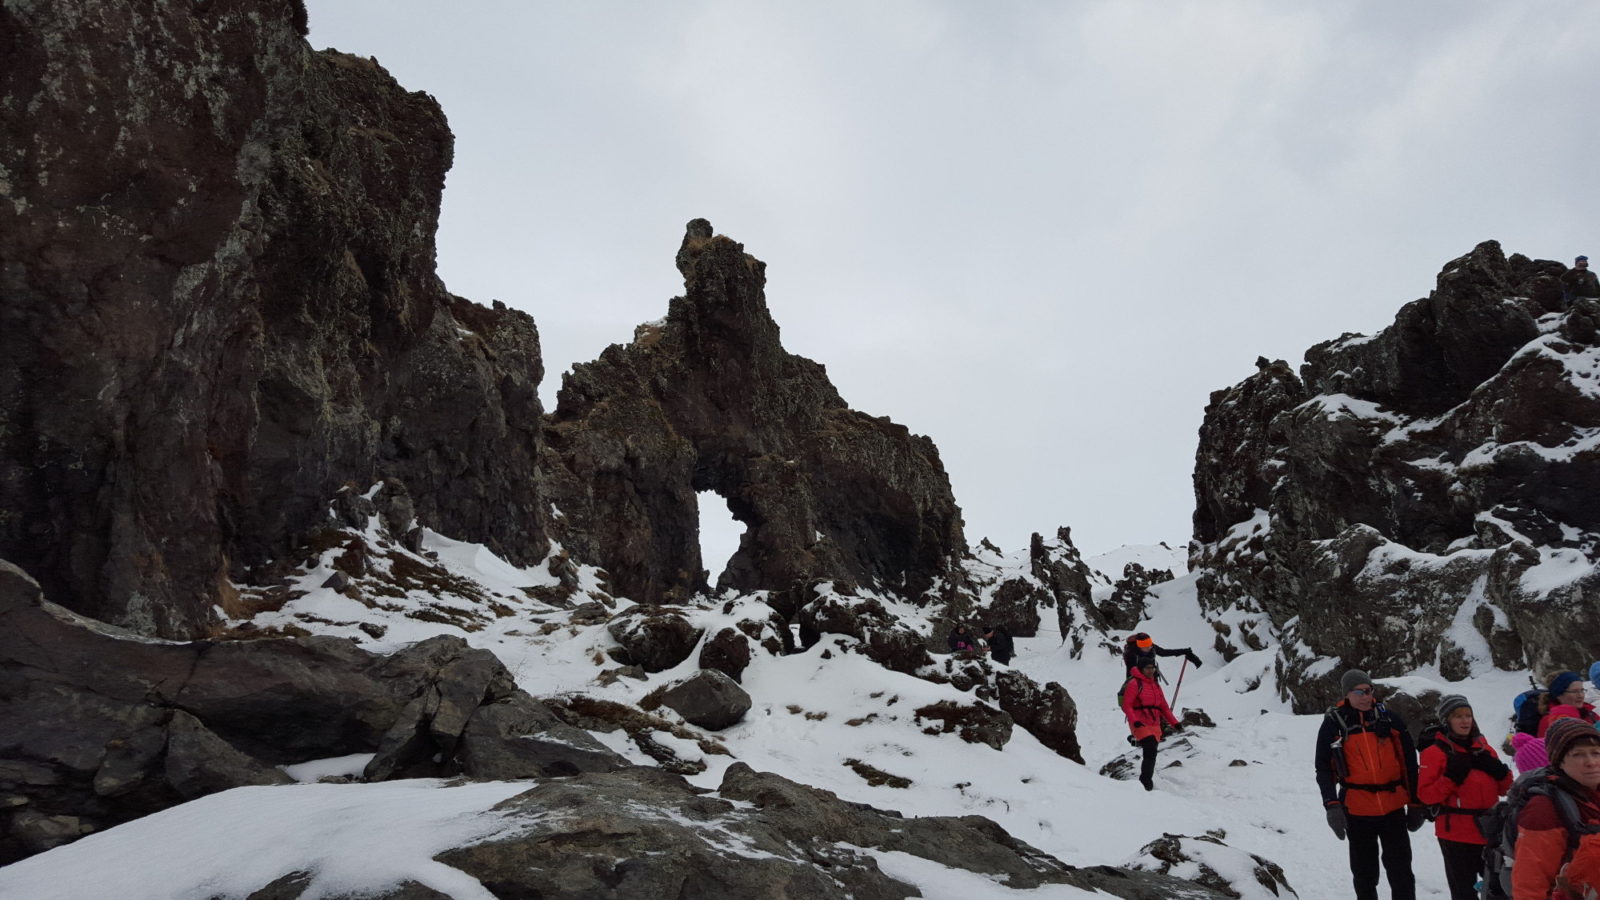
x: 1133, y: 656
x: 1000, y: 645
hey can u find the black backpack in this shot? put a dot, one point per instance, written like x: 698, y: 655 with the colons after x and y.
x: 1528, y: 713
x: 1499, y: 827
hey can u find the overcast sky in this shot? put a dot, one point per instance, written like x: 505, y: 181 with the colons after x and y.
x: 1039, y: 232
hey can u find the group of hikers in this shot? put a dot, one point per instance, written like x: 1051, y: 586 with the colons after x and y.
x: 1533, y: 835
x: 1537, y: 843
x: 995, y: 640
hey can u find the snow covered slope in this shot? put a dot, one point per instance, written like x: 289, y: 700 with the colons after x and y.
x: 828, y: 717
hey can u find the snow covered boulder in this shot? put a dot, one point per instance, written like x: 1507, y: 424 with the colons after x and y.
x: 728, y: 652
x: 655, y: 637
x: 1208, y: 861
x: 709, y: 699
x: 884, y: 639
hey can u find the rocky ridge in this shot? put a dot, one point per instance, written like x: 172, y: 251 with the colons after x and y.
x: 1432, y: 482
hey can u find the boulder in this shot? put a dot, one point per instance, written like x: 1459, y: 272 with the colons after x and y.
x: 1047, y: 712
x: 708, y: 699
x: 884, y: 638
x: 99, y: 725
x: 655, y: 637
x: 1209, y: 861
x: 728, y: 653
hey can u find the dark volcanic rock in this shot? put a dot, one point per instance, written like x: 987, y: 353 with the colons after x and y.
x: 1124, y: 609
x: 707, y: 399
x: 220, y: 307
x: 763, y: 836
x: 655, y: 637
x: 884, y: 638
x: 1047, y: 712
x: 1423, y: 497
x: 728, y: 653
x: 99, y: 726
x: 708, y: 699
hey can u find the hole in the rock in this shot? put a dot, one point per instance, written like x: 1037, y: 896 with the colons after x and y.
x: 719, y: 534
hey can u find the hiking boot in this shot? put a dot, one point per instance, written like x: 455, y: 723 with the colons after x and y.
x: 1149, y: 785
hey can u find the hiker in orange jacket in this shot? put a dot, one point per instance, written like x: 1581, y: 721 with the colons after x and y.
x: 1460, y: 773
x: 1367, y: 772
x: 1149, y: 716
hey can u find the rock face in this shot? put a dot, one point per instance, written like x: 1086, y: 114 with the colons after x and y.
x: 707, y: 399
x: 1418, y: 497
x: 647, y: 834
x: 99, y: 726
x: 220, y: 307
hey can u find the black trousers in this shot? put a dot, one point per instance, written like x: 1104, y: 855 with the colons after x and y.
x: 1463, y: 863
x: 1366, y: 834
x: 1147, y: 770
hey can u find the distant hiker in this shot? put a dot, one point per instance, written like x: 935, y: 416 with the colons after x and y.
x: 1530, y: 708
x: 1567, y: 702
x: 1141, y: 648
x: 1592, y: 692
x: 1555, y: 857
x: 1001, y: 648
x: 962, y: 640
x: 1367, y: 772
x: 1149, y: 716
x: 1460, y: 773
x: 1578, y: 281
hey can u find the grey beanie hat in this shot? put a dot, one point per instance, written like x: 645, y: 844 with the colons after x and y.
x: 1353, y: 679
x: 1449, y: 703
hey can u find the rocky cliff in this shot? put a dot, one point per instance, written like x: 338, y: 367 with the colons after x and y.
x: 218, y: 307
x: 1419, y: 497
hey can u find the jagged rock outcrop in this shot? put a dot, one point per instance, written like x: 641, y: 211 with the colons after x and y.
x: 1417, y: 497
x: 218, y: 306
x: 99, y: 726
x: 1125, y: 607
x: 707, y: 399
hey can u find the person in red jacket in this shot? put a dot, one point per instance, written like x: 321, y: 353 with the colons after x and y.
x: 1547, y: 865
x: 1460, y: 773
x: 1149, y: 716
x: 1567, y: 702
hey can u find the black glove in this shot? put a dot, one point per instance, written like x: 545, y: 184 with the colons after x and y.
x: 1416, y: 816
x: 1336, y: 820
x: 1382, y: 729
x: 1168, y: 728
x: 1457, y: 766
x: 1490, y: 766
x: 1193, y: 660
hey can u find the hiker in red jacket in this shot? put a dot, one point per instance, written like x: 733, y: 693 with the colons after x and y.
x: 1149, y: 716
x: 1554, y: 859
x: 1460, y: 773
